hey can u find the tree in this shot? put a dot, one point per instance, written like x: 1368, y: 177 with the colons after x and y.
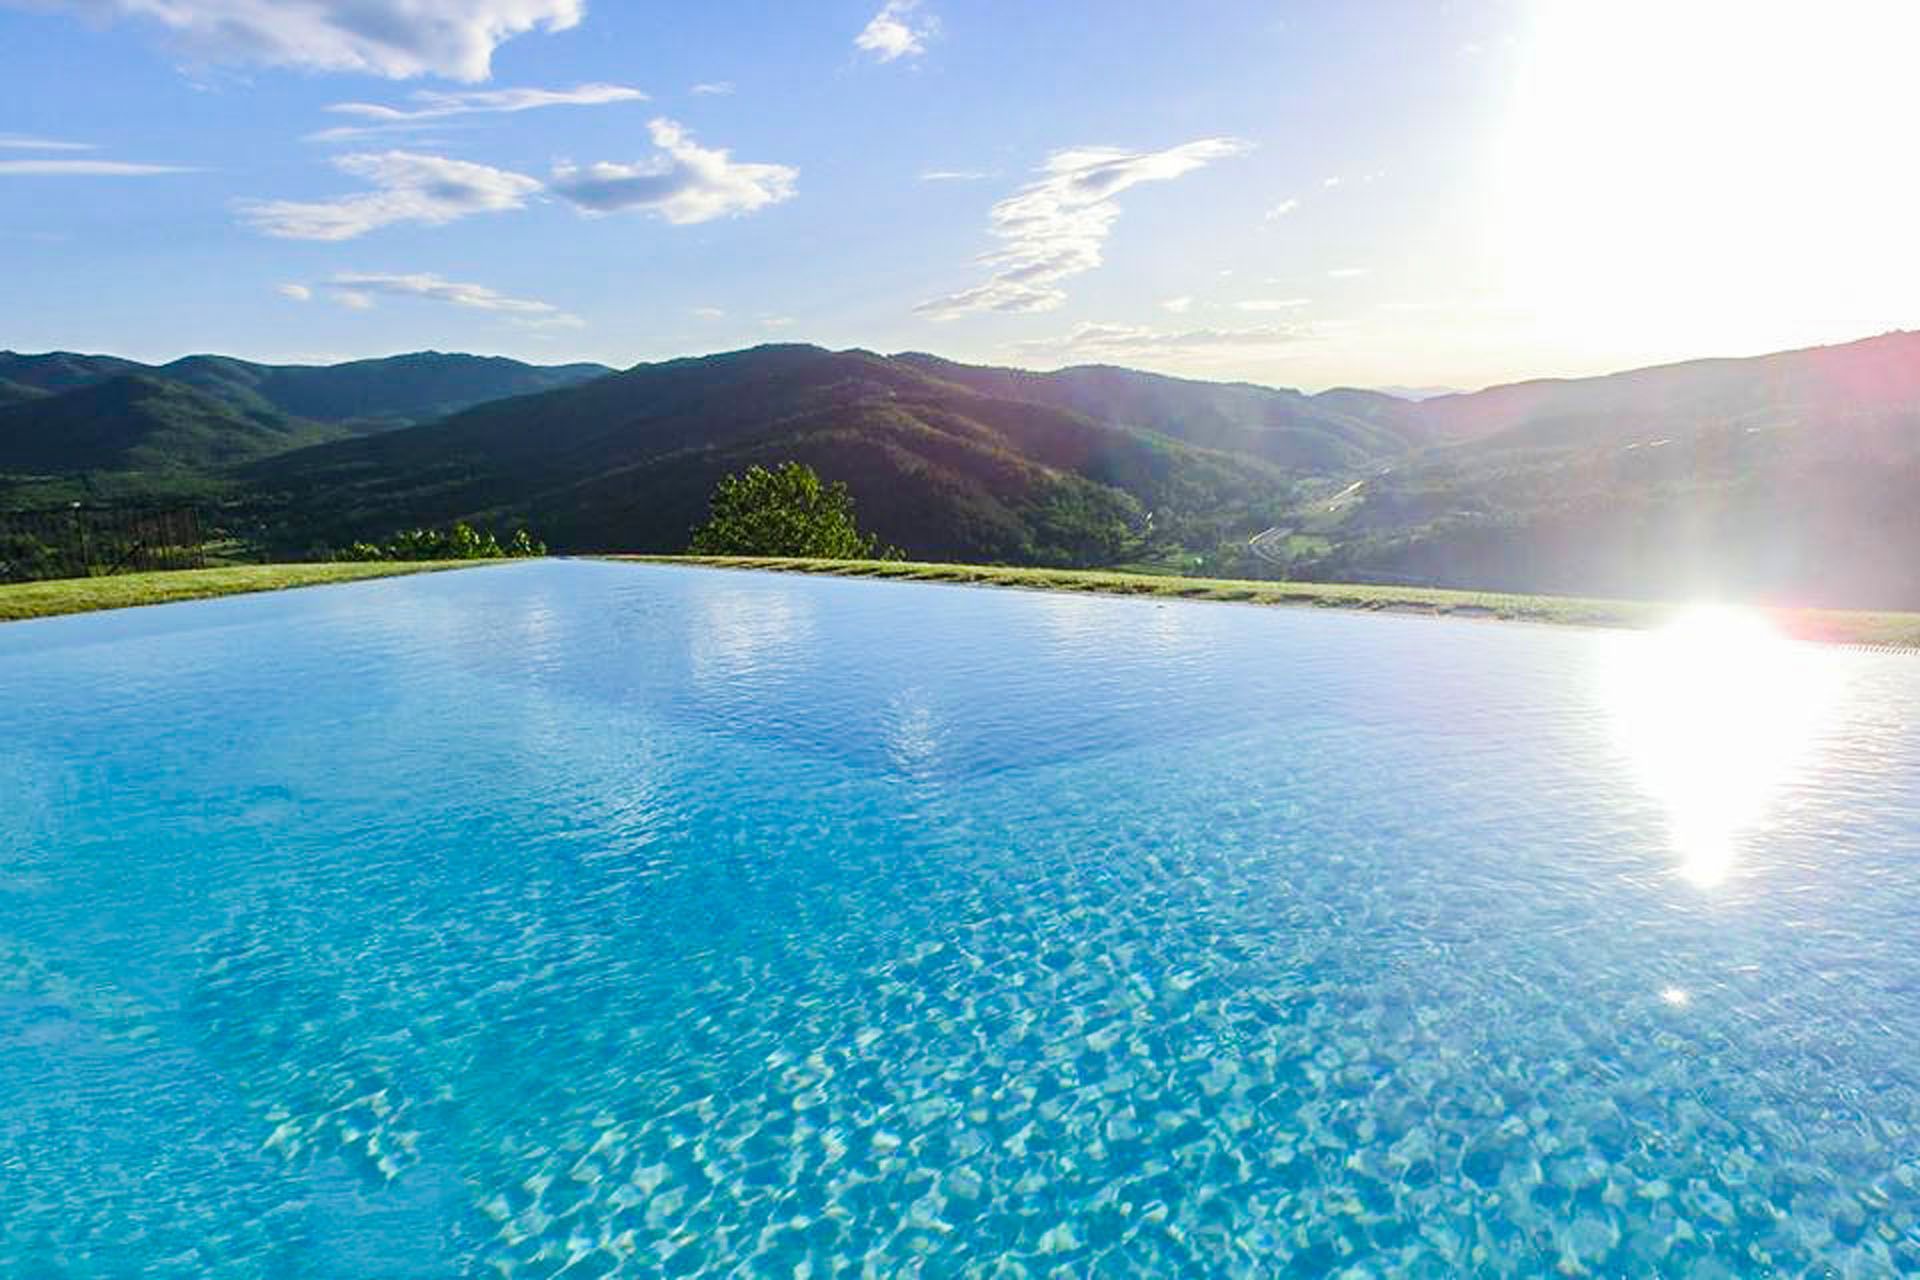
x: 783, y: 512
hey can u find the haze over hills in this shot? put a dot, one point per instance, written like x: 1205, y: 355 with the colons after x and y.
x: 1791, y: 476
x: 1788, y: 476
x: 1315, y: 433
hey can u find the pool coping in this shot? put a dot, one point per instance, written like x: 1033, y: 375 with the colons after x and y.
x: 1875, y: 631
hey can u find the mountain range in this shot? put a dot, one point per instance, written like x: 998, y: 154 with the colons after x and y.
x: 64, y: 412
x: 1790, y: 476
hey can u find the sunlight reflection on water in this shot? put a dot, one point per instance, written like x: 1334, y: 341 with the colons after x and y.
x: 1716, y: 713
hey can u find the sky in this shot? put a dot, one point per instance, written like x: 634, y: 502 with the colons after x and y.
x: 1307, y: 193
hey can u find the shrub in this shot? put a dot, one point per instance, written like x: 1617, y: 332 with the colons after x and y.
x: 461, y: 542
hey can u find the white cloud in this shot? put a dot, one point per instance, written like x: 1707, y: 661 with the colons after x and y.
x: 393, y: 38
x: 897, y: 31
x: 359, y: 290
x: 1282, y: 209
x: 1135, y: 342
x: 435, y: 106
x: 431, y: 190
x: 84, y: 169
x: 1330, y: 183
x: 776, y: 322
x: 952, y: 175
x: 1348, y: 273
x: 20, y: 142
x: 1178, y: 306
x: 1054, y: 228
x: 686, y: 183
x: 1273, y: 304
x: 709, y: 313
x: 712, y: 88
x: 298, y: 292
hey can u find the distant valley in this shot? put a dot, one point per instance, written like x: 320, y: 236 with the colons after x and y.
x: 1791, y: 476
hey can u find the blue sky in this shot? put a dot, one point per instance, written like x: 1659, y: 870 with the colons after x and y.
x: 1302, y: 194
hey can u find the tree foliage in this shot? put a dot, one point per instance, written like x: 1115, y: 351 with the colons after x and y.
x: 787, y: 511
x: 461, y: 542
x: 1079, y: 524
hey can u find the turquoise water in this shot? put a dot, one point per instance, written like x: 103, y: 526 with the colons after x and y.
x: 578, y: 919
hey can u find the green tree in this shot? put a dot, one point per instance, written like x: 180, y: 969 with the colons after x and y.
x: 784, y: 512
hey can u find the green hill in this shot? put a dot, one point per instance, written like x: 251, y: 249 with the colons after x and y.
x: 626, y: 462
x: 98, y: 426
x: 58, y: 371
x: 379, y: 394
x: 133, y: 422
x: 393, y: 391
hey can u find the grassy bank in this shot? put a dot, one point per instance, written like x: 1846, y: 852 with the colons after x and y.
x: 1892, y: 629
x: 83, y: 595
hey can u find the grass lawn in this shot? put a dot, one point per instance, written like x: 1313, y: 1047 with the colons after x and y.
x: 1891, y: 629
x: 83, y: 595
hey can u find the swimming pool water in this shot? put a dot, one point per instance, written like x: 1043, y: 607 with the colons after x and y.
x: 583, y: 919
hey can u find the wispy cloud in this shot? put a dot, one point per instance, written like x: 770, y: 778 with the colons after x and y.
x: 952, y: 175
x: 685, y: 183
x: 433, y: 107
x: 359, y: 290
x: 1282, y: 209
x: 899, y: 30
x: 21, y: 142
x: 1055, y: 228
x: 1178, y: 306
x: 298, y: 292
x: 84, y: 169
x: 1348, y: 273
x: 430, y: 190
x: 712, y: 88
x: 709, y: 313
x: 1273, y: 304
x: 1136, y: 342
x: 398, y: 39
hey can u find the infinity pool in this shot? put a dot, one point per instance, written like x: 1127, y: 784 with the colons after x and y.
x: 582, y: 919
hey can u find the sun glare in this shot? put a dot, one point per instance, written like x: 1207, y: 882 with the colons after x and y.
x: 1715, y: 713
x: 1714, y: 173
